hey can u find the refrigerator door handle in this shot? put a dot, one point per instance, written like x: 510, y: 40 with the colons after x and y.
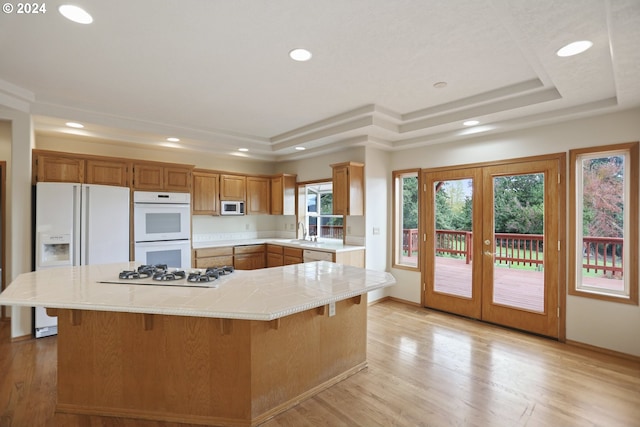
x: 77, y: 227
x: 84, y: 226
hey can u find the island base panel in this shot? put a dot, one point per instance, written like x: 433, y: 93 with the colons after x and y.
x: 204, y: 370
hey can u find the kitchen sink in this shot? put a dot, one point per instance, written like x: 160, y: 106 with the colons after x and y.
x: 303, y: 242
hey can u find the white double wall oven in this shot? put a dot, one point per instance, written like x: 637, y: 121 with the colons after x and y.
x: 162, y: 228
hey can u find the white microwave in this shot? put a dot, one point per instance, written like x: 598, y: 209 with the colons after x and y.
x: 231, y: 207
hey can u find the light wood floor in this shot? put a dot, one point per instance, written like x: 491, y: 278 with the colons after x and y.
x: 425, y: 369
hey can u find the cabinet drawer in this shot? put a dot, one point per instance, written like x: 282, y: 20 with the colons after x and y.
x: 214, y: 261
x: 209, y: 252
x: 293, y: 252
x: 248, y: 249
x: 274, y: 249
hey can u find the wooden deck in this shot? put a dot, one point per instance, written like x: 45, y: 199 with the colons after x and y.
x: 513, y: 287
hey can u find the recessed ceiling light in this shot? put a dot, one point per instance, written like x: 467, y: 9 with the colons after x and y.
x: 172, y: 139
x: 440, y: 85
x: 75, y: 14
x: 300, y: 55
x: 471, y: 122
x: 243, y: 149
x: 574, y: 48
x: 74, y: 125
x: 300, y: 148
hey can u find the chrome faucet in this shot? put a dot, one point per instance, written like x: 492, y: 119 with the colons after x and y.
x: 304, y: 230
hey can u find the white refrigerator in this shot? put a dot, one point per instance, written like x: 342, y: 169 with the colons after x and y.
x: 78, y: 224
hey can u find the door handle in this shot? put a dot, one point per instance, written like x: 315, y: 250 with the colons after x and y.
x: 489, y: 253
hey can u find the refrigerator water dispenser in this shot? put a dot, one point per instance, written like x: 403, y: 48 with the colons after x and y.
x: 55, y: 250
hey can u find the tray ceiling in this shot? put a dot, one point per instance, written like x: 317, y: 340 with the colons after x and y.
x: 217, y: 75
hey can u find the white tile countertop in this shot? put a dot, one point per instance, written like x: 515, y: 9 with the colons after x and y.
x: 263, y: 294
x: 295, y: 243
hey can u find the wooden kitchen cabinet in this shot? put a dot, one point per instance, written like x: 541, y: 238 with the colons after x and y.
x: 292, y: 255
x: 147, y: 176
x: 275, y: 256
x: 177, y: 178
x: 233, y: 187
x: 249, y: 257
x: 160, y: 177
x: 258, y: 200
x: 108, y: 172
x: 283, y: 194
x: 205, y: 193
x: 348, y: 188
x: 57, y: 168
x: 213, y: 257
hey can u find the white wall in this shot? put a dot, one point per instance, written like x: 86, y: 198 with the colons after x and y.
x: 18, y: 232
x: 378, y: 211
x: 315, y: 168
x: 597, y: 323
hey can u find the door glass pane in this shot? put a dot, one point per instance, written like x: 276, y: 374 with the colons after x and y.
x: 453, y: 217
x: 518, y: 275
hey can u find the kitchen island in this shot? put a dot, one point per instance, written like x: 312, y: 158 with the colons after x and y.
x: 235, y: 354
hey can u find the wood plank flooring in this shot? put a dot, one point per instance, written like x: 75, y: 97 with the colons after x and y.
x: 426, y: 368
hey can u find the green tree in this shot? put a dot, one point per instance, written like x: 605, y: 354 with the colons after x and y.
x: 444, y: 214
x: 410, y: 202
x: 519, y: 204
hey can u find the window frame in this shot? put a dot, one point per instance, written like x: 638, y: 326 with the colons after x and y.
x: 397, y: 227
x: 630, y: 249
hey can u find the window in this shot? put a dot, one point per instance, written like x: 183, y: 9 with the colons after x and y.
x: 604, y: 223
x: 319, y: 219
x: 406, y: 238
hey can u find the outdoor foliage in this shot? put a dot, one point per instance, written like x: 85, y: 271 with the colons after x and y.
x: 410, y: 202
x: 519, y: 205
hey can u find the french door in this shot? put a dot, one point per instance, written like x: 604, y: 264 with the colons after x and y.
x: 491, y: 243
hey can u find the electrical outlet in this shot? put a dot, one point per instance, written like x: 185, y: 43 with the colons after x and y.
x: 246, y: 226
x: 332, y: 309
x: 348, y: 229
x: 376, y: 230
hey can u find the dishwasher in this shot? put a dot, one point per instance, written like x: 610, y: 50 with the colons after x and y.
x: 310, y: 256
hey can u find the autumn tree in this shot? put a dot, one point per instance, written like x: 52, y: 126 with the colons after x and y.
x: 603, y: 196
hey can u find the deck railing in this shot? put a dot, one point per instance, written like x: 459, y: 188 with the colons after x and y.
x: 327, y: 231
x: 600, y: 254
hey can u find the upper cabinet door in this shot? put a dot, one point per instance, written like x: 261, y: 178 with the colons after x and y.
x: 205, y: 193
x: 348, y: 188
x: 258, y: 198
x: 177, y: 178
x: 59, y: 169
x: 283, y: 195
x: 105, y: 172
x: 233, y: 187
x: 148, y: 177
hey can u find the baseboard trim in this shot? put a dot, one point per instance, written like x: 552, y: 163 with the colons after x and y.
x: 603, y: 350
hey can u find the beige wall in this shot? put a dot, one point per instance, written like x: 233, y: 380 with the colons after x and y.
x: 75, y: 144
x: 598, y: 323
